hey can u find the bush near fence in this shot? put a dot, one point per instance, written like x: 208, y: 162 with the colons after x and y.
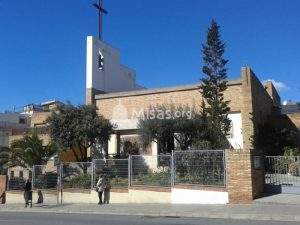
x: 203, y: 168
x: 77, y: 175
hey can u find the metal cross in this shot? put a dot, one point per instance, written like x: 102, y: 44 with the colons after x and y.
x: 101, y: 11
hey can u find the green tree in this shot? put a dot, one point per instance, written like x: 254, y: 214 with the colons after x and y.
x: 165, y: 124
x: 156, y: 126
x: 78, y: 128
x: 27, y: 152
x: 213, y: 86
x: 273, y: 140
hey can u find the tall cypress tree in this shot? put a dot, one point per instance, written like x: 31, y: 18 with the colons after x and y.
x: 214, y: 83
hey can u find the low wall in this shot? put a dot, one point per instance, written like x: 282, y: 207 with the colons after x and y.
x: 133, y: 195
x: 17, y: 197
x: 149, y: 195
x: 189, y: 196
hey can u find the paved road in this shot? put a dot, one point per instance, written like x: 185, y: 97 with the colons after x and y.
x: 78, y: 219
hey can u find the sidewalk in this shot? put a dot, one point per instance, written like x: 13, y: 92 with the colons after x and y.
x: 275, y: 212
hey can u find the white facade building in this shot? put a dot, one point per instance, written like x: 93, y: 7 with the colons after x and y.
x: 104, y: 71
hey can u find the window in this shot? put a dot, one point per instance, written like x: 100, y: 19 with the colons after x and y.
x: 100, y: 61
x: 30, y: 174
x: 21, y: 175
x: 22, y: 121
x: 12, y: 174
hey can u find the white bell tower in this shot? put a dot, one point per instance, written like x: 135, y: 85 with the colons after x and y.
x: 104, y: 72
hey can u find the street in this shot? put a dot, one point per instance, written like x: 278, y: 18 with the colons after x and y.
x: 81, y: 219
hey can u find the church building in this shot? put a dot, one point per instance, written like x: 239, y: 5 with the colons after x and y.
x: 113, y: 89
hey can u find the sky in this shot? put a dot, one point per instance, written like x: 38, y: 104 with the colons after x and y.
x: 43, y: 43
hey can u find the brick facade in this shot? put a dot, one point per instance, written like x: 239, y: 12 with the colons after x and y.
x: 184, y: 95
x: 246, y: 95
x: 3, y: 183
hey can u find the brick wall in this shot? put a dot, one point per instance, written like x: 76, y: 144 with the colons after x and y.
x: 39, y: 118
x: 271, y: 90
x: 181, y: 96
x: 3, y: 181
x: 239, y: 181
x: 256, y: 108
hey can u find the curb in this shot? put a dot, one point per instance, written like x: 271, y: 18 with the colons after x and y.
x: 254, y: 217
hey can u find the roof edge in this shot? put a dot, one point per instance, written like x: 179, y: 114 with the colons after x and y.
x: 159, y: 90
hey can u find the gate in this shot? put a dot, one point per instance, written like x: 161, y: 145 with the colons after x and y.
x: 46, y: 181
x: 283, y: 174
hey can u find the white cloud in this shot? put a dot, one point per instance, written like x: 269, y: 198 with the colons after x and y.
x: 280, y: 86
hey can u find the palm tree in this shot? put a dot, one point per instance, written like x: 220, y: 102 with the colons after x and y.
x: 27, y: 152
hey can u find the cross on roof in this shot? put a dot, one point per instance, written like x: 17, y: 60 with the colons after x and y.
x: 101, y: 11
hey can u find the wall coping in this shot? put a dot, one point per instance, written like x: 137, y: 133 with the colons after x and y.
x: 159, y: 90
x: 200, y: 188
x: 149, y: 188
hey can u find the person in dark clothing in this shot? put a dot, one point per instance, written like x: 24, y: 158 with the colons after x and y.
x: 28, y: 193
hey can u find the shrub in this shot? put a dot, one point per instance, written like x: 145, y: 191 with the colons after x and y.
x: 16, y: 183
x: 80, y: 181
x: 149, y: 178
x: 46, y: 181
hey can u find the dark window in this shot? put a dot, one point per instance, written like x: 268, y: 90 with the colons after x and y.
x: 21, y: 175
x: 12, y: 174
x: 30, y: 174
x: 22, y: 121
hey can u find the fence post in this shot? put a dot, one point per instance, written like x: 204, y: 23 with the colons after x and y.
x: 225, y: 168
x: 129, y: 170
x: 172, y: 170
x: 93, y: 171
x: 32, y: 178
x: 61, y: 183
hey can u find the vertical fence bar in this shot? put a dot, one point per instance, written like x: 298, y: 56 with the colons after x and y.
x: 172, y: 170
x: 61, y: 183
x: 32, y: 178
x: 92, y: 176
x: 129, y: 171
x: 225, y: 168
x: 57, y: 184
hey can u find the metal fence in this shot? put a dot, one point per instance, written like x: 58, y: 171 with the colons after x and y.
x: 115, y: 169
x: 17, y: 179
x: 283, y: 170
x: 152, y: 170
x: 206, y: 168
x: 203, y: 168
x: 44, y: 177
x: 77, y: 175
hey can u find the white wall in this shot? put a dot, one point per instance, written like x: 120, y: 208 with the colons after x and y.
x: 113, y: 77
x: 236, y: 140
x: 188, y: 196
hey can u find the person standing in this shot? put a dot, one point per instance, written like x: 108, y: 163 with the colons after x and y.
x: 100, y: 187
x: 107, y: 191
x: 28, y: 193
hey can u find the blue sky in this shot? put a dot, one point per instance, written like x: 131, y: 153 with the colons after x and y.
x: 42, y: 43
